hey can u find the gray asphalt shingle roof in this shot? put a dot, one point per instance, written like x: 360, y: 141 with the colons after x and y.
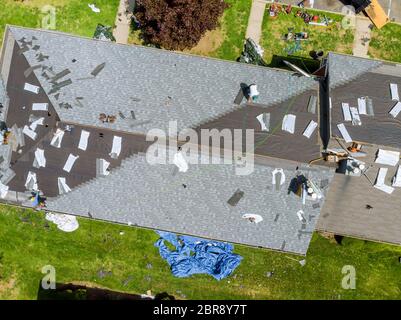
x: 152, y: 196
x: 344, y: 68
x: 170, y: 86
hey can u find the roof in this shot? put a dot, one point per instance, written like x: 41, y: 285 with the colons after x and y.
x: 373, y: 82
x: 345, y: 210
x: 158, y: 85
x: 156, y: 198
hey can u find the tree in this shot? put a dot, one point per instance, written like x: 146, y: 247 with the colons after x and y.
x: 177, y: 24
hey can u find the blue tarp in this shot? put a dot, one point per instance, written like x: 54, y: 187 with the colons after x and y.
x: 195, y: 255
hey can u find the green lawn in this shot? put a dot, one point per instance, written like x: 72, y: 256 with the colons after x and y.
x: 72, y: 16
x: 26, y: 245
x: 386, y: 43
x: 330, y: 38
x: 225, y: 42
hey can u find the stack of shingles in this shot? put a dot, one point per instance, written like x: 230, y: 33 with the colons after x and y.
x: 389, y: 158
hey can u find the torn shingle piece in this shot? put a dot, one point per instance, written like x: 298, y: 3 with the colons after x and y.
x: 264, y: 121
x: 30, y: 133
x: 36, y: 47
x: 60, y: 75
x: 344, y: 132
x: 310, y: 129
x: 70, y: 162
x: 31, y: 182
x: 133, y: 115
x: 102, y: 167
x: 396, y: 182
x: 62, y: 185
x: 57, y: 138
x: 97, y: 69
x: 40, y: 160
x: 29, y: 71
x: 380, y: 181
x: 3, y: 190
x: 41, y: 57
x: 40, y: 106
x: 83, y: 141
x: 58, y: 86
x: 362, y: 105
x: 346, y: 112
x: 386, y: 157
x: 395, y: 110
x: 31, y: 88
x: 282, y: 246
x: 36, y: 122
x: 235, y: 198
x: 116, y: 148
x: 23, y: 49
x: 312, y: 104
x: 289, y: 123
x: 394, y: 92
x: 356, y: 119
x: 121, y: 115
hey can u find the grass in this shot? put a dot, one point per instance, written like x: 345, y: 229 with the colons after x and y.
x: 330, y: 38
x: 386, y: 43
x: 72, y: 16
x: 227, y: 40
x: 26, y: 245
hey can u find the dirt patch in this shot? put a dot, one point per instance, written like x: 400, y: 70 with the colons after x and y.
x: 210, y: 42
x: 8, y: 289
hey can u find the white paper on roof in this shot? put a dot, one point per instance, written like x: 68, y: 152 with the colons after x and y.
x: 70, y: 162
x: 362, y: 105
x: 344, y: 132
x: 35, y: 123
x: 254, y: 218
x: 380, y: 181
x: 387, y: 157
x: 396, y: 109
x: 30, y: 133
x: 3, y: 190
x: 301, y: 216
x: 39, y: 106
x: 264, y: 120
x: 116, y: 148
x: 282, y: 178
x: 356, y: 120
x: 83, y: 141
x: 289, y: 123
x: 310, y: 129
x: 31, y: 181
x: 57, y: 138
x: 394, y: 92
x: 397, y: 178
x: 104, y: 165
x: 40, y: 158
x: 31, y: 88
x: 62, y: 185
x: 180, y: 162
x: 346, y: 112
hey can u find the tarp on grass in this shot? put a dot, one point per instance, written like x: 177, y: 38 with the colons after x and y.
x: 195, y: 255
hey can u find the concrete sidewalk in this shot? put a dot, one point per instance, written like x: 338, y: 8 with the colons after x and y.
x: 362, y: 37
x: 254, y: 29
x: 123, y: 23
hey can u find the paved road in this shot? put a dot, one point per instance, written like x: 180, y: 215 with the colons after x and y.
x: 391, y: 7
